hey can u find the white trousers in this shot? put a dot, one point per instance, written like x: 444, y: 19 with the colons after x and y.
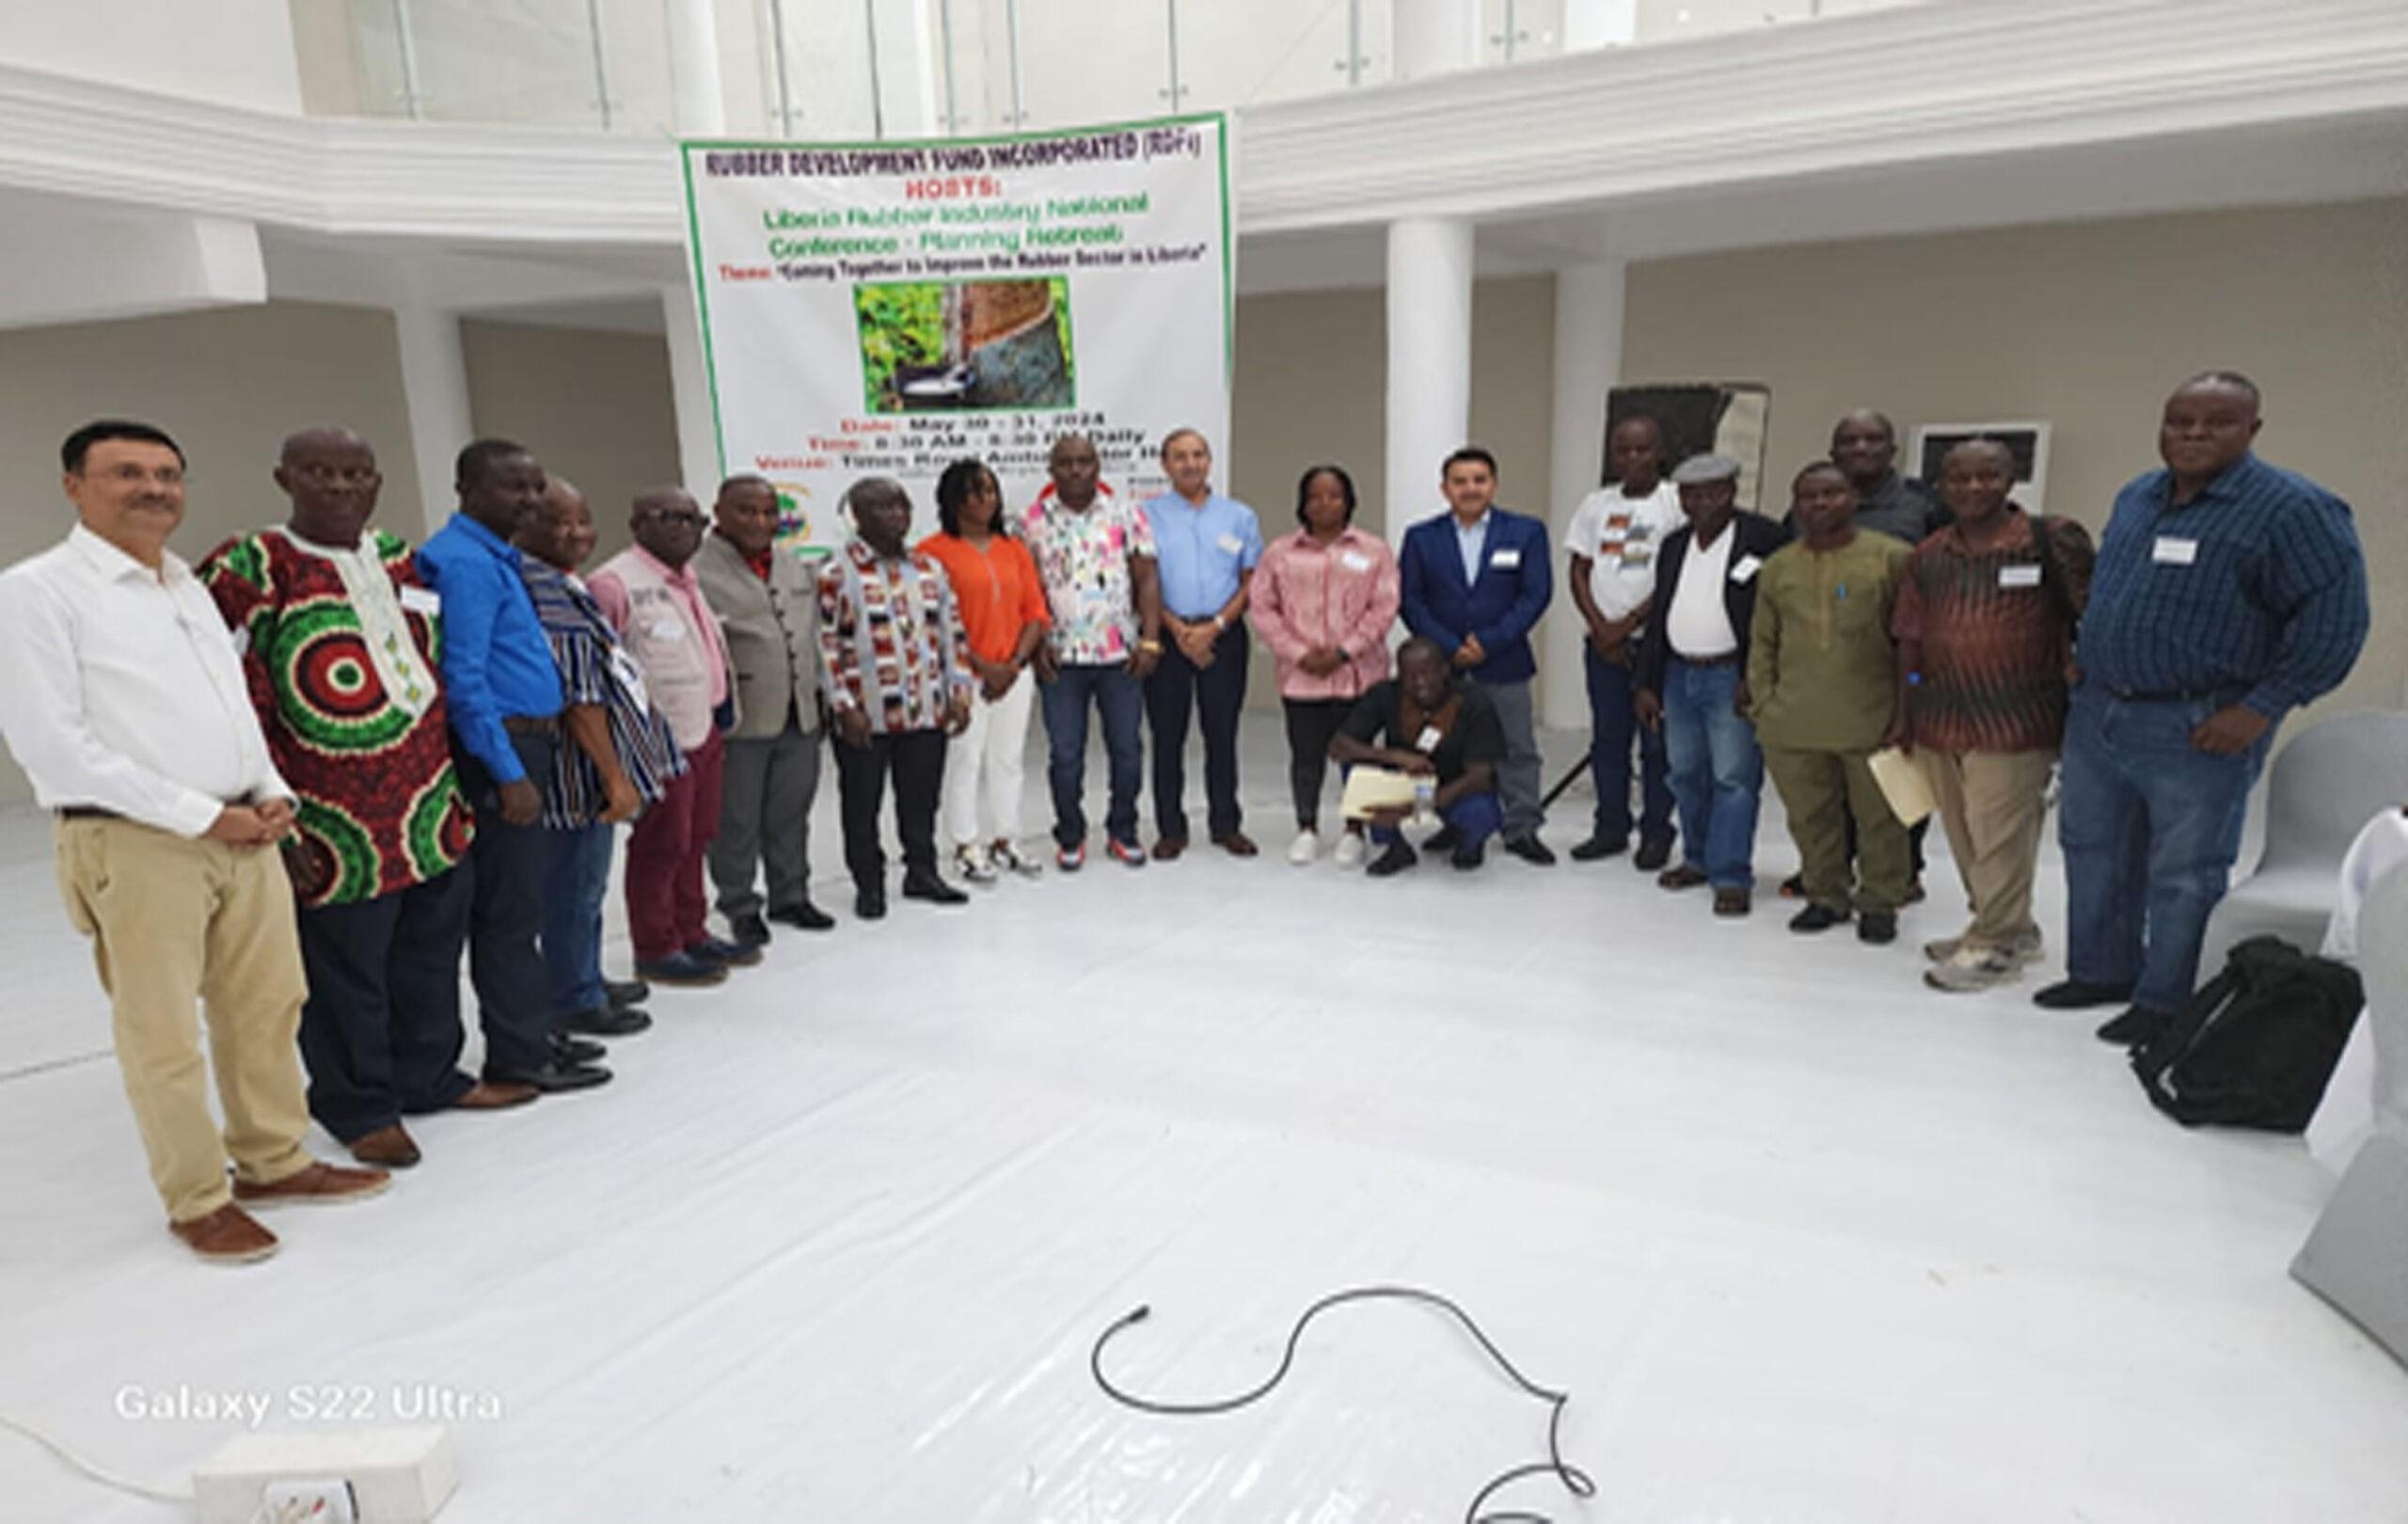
x: 986, y: 767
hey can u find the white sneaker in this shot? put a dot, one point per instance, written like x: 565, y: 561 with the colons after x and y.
x: 1350, y: 851
x: 1007, y: 857
x: 2025, y: 952
x: 1974, y: 968
x: 973, y: 866
x: 1305, y: 848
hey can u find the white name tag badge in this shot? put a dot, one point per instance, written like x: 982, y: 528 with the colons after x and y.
x: 629, y: 673
x: 2019, y: 576
x: 1505, y: 560
x: 2172, y: 553
x: 1356, y: 560
x: 1427, y: 741
x: 1743, y: 570
x: 424, y: 600
x: 1231, y: 544
x: 668, y: 629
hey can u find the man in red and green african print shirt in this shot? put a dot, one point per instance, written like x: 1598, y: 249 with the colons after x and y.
x: 340, y: 644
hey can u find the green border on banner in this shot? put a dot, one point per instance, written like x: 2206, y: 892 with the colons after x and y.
x: 702, y: 308
x: 687, y: 146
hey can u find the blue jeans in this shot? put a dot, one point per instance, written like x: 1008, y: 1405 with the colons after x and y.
x: 2151, y: 825
x: 1717, y: 773
x: 1475, y: 816
x: 1121, y: 699
x: 578, y: 876
x: 1611, y: 726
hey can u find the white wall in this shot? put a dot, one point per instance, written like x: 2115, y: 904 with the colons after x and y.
x: 231, y: 52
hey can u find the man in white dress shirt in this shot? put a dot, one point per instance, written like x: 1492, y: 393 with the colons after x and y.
x: 122, y: 697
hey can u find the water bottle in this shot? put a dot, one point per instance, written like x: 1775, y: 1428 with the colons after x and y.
x: 1425, y: 793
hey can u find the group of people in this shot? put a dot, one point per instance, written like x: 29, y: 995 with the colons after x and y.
x: 439, y: 744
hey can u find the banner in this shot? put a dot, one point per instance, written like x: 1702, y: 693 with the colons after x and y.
x: 886, y: 309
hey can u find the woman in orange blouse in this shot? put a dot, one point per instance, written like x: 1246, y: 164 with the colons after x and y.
x: 1003, y: 609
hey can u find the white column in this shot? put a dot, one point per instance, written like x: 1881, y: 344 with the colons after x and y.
x: 908, y: 68
x: 1432, y: 36
x: 693, y: 68
x: 435, y: 385
x: 1588, y: 363
x: 689, y: 389
x: 1429, y: 396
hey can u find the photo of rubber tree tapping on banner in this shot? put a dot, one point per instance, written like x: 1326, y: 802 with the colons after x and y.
x: 968, y: 344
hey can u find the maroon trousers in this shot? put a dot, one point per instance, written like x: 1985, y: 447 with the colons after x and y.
x: 665, y: 854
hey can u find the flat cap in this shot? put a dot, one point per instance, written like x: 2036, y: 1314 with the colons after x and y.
x: 1705, y: 468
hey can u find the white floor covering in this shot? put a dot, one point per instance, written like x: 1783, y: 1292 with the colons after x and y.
x: 1807, y: 1243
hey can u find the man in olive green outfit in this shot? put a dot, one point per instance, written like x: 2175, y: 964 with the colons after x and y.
x: 1824, y: 675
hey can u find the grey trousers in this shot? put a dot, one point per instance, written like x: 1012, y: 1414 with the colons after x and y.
x: 765, y: 818
x: 1520, y: 785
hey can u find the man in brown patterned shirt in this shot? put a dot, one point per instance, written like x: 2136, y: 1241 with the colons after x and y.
x: 1985, y: 622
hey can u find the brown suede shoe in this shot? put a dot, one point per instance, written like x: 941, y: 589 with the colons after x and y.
x: 387, y: 1148
x: 1166, y: 848
x: 229, y: 1235
x: 486, y: 1095
x: 315, y: 1185
x: 1683, y: 877
x: 1732, y: 901
x: 1237, y: 844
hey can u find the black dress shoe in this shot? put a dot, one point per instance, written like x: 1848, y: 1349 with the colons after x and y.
x: 576, y: 1050
x: 870, y: 904
x: 1877, y: 927
x: 1530, y: 849
x: 553, y: 1078
x: 624, y: 993
x: 1392, y: 862
x: 1653, y: 855
x: 1597, y: 849
x: 2137, y: 1028
x: 932, y: 889
x: 2080, y: 994
x: 1443, y: 839
x: 804, y: 917
x: 747, y: 930
x: 606, y: 1020
x: 1821, y: 918
x: 1468, y: 856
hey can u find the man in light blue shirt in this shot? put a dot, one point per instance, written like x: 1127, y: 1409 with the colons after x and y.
x: 1471, y: 540
x: 1207, y: 545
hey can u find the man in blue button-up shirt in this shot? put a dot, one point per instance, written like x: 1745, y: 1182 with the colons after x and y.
x: 1207, y: 546
x: 1476, y: 581
x: 2227, y: 594
x: 505, y: 695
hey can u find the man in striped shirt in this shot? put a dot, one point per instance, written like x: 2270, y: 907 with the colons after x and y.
x: 620, y: 757
x: 2228, y: 592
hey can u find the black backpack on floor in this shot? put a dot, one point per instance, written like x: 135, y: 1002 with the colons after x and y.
x: 2257, y: 1044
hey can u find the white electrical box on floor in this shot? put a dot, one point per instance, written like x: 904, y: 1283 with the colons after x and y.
x: 397, y: 1476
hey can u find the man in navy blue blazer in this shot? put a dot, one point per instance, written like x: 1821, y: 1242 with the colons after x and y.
x: 1476, y: 581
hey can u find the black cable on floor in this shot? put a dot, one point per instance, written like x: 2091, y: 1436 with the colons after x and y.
x: 1575, y: 1480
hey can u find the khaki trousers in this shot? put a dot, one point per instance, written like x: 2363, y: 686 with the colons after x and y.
x: 1819, y: 791
x: 175, y: 922
x: 1991, y: 805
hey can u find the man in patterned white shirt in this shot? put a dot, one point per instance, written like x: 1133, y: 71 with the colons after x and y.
x: 1095, y: 554
x: 898, y: 682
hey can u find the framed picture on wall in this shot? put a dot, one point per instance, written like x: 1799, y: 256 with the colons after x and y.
x: 2027, y: 442
x: 1725, y: 418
